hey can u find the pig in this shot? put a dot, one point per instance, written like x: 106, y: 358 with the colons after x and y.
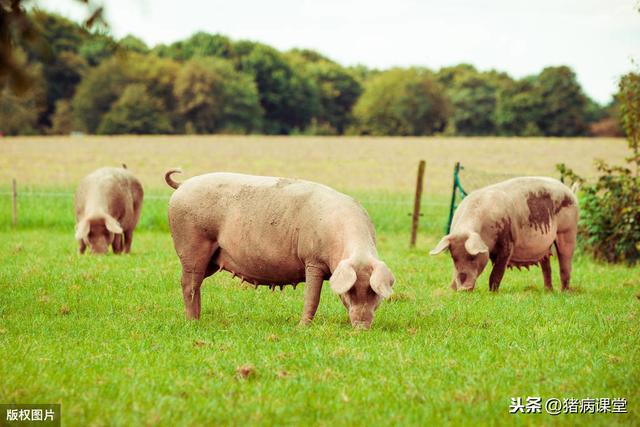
x: 274, y: 232
x: 107, y: 207
x: 514, y: 223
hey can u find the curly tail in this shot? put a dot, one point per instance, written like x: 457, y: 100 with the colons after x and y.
x: 171, y: 182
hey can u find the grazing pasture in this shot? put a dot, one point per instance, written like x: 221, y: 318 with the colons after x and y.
x: 106, y: 336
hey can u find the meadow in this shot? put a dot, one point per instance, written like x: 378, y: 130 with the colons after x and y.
x: 106, y: 336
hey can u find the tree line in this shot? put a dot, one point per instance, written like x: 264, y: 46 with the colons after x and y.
x: 86, y: 81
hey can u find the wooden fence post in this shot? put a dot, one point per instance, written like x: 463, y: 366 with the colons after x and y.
x: 15, y: 202
x: 416, y: 203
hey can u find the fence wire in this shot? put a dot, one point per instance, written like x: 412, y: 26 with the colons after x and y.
x: 160, y: 197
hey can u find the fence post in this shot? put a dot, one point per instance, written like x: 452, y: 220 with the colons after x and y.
x: 416, y: 203
x: 14, y: 199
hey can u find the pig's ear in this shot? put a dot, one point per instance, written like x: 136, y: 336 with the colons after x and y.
x: 82, y: 229
x: 382, y: 280
x: 343, y: 278
x: 474, y: 244
x: 442, y: 245
x: 112, y: 225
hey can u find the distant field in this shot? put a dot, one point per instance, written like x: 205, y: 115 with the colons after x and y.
x: 359, y: 163
x: 106, y: 336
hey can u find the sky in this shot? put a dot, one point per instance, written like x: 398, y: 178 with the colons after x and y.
x: 599, y: 39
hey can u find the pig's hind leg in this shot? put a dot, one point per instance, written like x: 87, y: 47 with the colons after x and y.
x: 195, y: 258
x: 565, y: 245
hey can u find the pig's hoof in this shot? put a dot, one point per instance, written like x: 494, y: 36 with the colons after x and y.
x: 304, y: 322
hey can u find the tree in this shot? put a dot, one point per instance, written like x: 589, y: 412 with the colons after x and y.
x: 408, y: 102
x: 104, y: 84
x: 289, y: 99
x: 56, y: 48
x: 519, y: 108
x: 100, y: 88
x: 563, y: 111
x: 62, y: 118
x: 97, y: 48
x: 337, y: 88
x: 133, y: 44
x: 136, y: 112
x: 212, y: 97
x: 473, y: 96
x: 19, y: 113
x: 200, y: 44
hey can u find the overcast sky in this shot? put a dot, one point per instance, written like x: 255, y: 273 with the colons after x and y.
x: 597, y: 38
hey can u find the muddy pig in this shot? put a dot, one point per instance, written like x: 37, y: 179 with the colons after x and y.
x: 275, y: 232
x: 514, y: 223
x: 107, y: 206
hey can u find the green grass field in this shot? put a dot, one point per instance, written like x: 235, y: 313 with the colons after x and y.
x: 106, y: 336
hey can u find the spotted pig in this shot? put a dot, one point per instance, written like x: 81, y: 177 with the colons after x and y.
x: 513, y: 223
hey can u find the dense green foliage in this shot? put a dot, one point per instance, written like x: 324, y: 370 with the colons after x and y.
x: 610, y: 217
x: 408, y: 102
x: 212, y: 97
x: 473, y: 96
x: 135, y: 112
x: 209, y: 83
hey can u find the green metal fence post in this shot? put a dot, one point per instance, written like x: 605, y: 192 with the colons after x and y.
x: 454, y: 188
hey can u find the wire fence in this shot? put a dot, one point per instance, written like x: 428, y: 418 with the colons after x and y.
x: 408, y: 202
x: 391, y: 213
x: 37, y: 209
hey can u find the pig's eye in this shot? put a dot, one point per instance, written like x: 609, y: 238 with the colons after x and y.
x: 470, y: 257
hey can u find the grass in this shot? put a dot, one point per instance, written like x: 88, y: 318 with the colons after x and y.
x: 105, y: 336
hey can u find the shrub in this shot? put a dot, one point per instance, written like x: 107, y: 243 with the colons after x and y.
x: 610, y: 211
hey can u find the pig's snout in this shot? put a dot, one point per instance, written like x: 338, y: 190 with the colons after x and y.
x: 360, y: 317
x: 464, y: 283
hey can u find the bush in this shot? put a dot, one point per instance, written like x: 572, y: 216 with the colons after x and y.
x: 610, y: 218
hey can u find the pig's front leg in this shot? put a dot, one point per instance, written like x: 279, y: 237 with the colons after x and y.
x: 314, y: 277
x: 128, y: 239
x: 117, y: 243
x: 565, y: 245
x: 83, y: 246
x: 499, y: 266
